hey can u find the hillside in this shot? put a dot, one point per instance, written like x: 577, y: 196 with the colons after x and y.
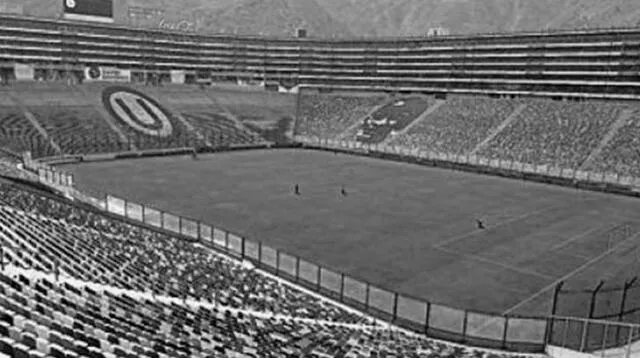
x: 348, y: 18
x: 415, y: 17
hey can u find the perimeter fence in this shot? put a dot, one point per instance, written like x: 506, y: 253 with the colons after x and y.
x: 513, y: 332
x: 436, y: 320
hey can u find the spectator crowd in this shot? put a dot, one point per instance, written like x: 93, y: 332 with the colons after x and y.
x: 595, y: 135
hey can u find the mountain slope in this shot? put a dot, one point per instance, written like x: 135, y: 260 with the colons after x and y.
x: 415, y: 17
x: 368, y: 18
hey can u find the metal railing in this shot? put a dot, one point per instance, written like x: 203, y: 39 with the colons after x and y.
x: 513, y: 332
x: 596, y: 337
x: 436, y: 320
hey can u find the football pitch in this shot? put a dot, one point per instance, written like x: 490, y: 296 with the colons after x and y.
x: 403, y: 227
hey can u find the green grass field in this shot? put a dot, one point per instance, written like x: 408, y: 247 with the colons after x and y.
x: 403, y: 227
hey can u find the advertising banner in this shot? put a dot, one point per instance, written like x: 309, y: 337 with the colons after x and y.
x: 177, y: 76
x: 153, y: 16
x: 24, y: 72
x: 88, y: 10
x: 109, y: 74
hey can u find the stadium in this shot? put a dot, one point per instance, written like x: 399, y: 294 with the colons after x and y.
x: 169, y: 188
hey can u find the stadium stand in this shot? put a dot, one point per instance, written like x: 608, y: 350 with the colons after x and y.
x: 127, y: 256
x: 17, y: 134
x: 556, y: 133
x: 41, y: 316
x: 219, y: 129
x: 392, y: 117
x: 78, y: 284
x: 331, y: 116
x: 77, y: 129
x: 78, y: 121
x: 459, y: 125
x: 621, y: 154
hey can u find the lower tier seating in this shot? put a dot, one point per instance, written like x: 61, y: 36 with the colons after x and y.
x: 392, y: 117
x: 459, y: 124
x: 552, y: 132
x: 40, y: 317
x: 17, y: 134
x: 77, y: 129
x: 330, y: 116
x: 95, y: 249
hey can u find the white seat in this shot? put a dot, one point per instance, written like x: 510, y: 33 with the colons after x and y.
x: 42, y: 345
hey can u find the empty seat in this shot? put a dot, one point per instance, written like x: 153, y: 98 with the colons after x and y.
x: 6, y: 345
x: 20, y: 351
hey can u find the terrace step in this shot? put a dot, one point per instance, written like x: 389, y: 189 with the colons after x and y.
x: 624, y: 116
x: 34, y: 121
x: 512, y: 117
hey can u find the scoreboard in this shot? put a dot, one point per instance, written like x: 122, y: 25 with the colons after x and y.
x: 88, y: 10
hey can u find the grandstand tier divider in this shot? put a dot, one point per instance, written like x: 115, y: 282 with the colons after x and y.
x: 97, y: 105
x: 34, y: 121
x: 507, y: 122
x: 623, y: 118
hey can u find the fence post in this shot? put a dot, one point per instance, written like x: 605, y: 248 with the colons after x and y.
x: 341, y: 287
x: 260, y: 253
x: 594, y: 294
x: 627, y: 286
x: 628, y: 352
x: 162, y: 219
x: 504, y: 333
x: 604, y: 339
x: 319, y: 276
x: 464, y: 325
x: 144, y: 219
x: 126, y: 209
x: 565, y: 331
x: 395, y: 307
x: 277, y: 262
x: 366, y: 301
x: 226, y: 241
x: 592, y: 308
x: 426, y: 317
x: 180, y: 224
x: 297, y: 268
x: 241, y: 245
x: 554, y: 308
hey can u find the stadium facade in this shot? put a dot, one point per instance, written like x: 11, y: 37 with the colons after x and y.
x: 589, y: 63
